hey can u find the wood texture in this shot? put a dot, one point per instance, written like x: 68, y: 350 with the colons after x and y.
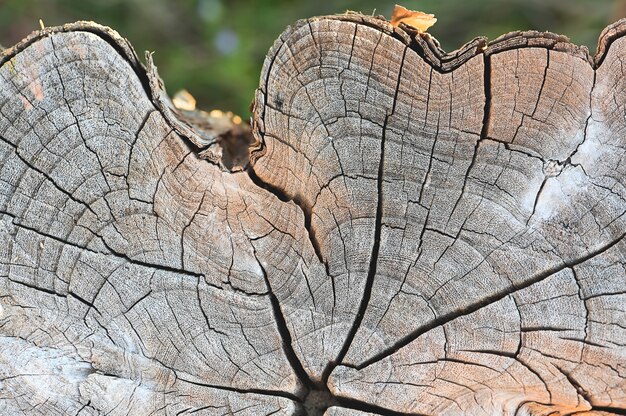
x: 416, y: 233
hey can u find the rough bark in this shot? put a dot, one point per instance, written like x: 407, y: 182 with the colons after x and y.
x: 415, y: 233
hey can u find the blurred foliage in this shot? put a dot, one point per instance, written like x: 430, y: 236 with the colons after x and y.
x: 215, y: 48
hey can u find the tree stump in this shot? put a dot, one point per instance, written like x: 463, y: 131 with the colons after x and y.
x: 414, y: 232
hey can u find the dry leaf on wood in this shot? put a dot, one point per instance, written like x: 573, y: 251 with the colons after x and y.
x: 419, y: 20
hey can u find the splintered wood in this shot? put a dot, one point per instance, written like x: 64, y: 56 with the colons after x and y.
x: 413, y: 233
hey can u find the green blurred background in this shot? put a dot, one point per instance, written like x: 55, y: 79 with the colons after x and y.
x: 215, y: 48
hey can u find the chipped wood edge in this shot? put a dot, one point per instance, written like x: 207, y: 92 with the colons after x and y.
x: 147, y: 75
x: 423, y: 44
x: 610, y: 34
x: 429, y: 49
x: 120, y: 44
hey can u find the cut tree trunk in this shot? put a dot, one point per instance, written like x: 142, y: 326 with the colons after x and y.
x: 414, y: 232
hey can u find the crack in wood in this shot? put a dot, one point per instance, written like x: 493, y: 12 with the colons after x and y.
x: 475, y: 306
x: 176, y: 334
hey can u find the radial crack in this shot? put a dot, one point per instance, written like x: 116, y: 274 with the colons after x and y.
x: 473, y: 307
x: 306, y: 211
x: 285, y: 334
x: 367, y: 291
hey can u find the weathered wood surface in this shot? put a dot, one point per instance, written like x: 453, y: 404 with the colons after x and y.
x: 416, y: 233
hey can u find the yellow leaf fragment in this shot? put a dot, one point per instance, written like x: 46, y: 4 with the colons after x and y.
x: 419, y: 20
x: 184, y: 101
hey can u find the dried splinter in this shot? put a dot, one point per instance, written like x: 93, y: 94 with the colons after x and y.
x: 419, y: 20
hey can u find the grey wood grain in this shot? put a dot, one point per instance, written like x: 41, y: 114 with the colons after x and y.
x: 415, y: 232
